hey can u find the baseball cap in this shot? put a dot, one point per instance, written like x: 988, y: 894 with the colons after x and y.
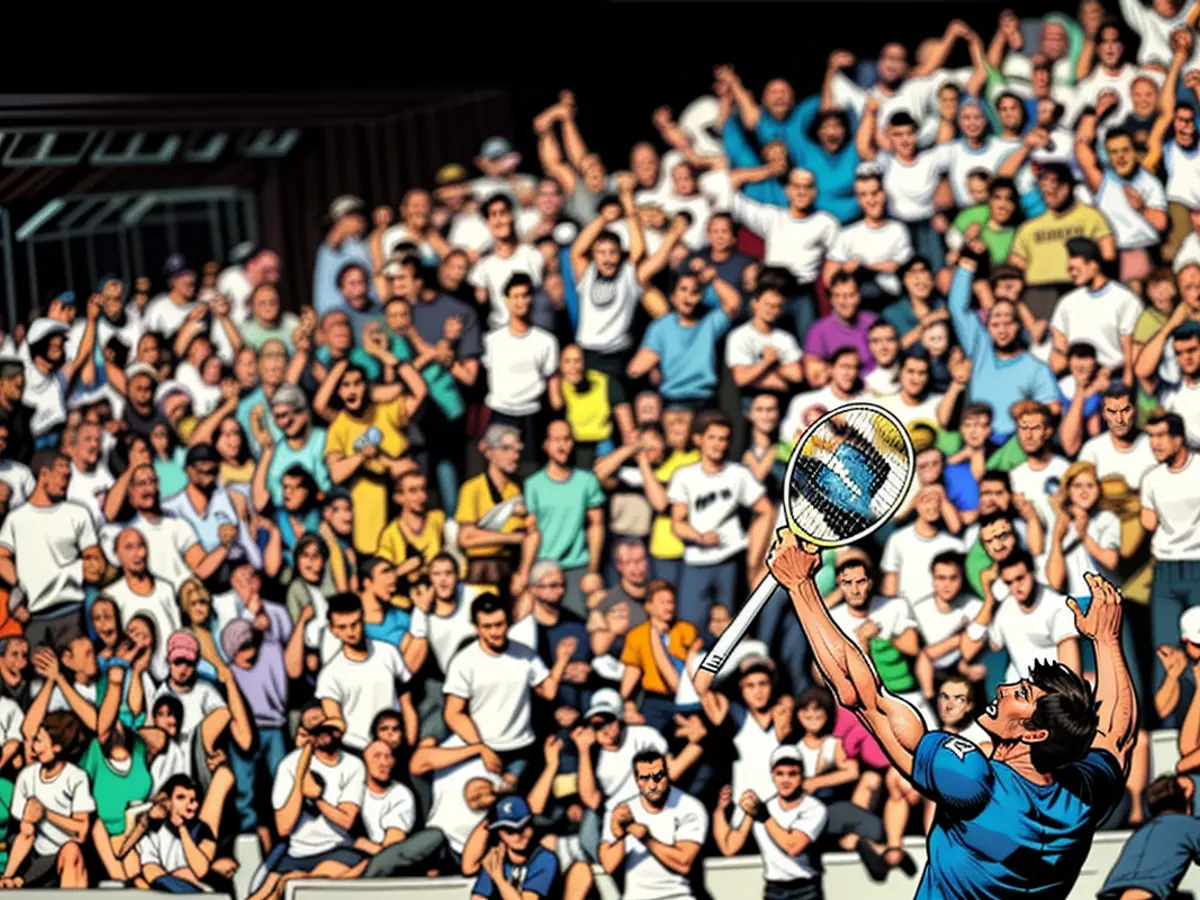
x: 495, y: 148
x: 450, y: 174
x: 170, y: 388
x: 177, y: 265
x: 786, y: 753
x: 182, y: 645
x: 511, y: 812
x: 237, y: 634
x: 345, y: 205
x: 140, y: 368
x: 42, y: 329
x: 242, y: 253
x: 1189, y: 625
x: 607, y: 702
x: 66, y: 298
x: 103, y: 280
x: 756, y: 663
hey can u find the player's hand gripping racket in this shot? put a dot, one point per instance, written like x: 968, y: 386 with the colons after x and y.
x: 848, y: 474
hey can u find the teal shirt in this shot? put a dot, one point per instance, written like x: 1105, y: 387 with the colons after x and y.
x: 112, y: 790
x: 310, y: 457
x: 443, y: 389
x: 172, y: 478
x: 561, y: 508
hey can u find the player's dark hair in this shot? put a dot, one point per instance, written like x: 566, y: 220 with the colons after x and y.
x: 1173, y: 421
x: 1119, y: 390
x: 66, y: 731
x: 842, y: 277
x: 1019, y: 557
x: 647, y: 756
x: 993, y: 517
x: 488, y: 603
x: 1082, y: 350
x: 998, y: 477
x: 1066, y: 711
x: 852, y: 563
x: 177, y: 781
x: 948, y: 558
x: 707, y: 418
x: 977, y: 409
x: 820, y: 697
x: 344, y: 602
x: 1165, y: 795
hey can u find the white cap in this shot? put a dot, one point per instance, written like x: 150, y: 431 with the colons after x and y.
x: 786, y: 753
x: 42, y: 329
x: 606, y: 702
x: 1189, y: 625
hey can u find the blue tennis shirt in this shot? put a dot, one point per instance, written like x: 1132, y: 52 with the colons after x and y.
x: 999, y: 836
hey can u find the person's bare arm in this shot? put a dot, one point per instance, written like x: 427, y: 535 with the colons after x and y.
x: 1189, y: 733
x: 864, y: 139
x: 549, y: 152
x: 649, y: 267
x: 87, y: 344
x: 1115, y: 697
x: 1068, y: 654
x: 643, y: 361
x: 1085, y: 154
x: 729, y: 840
x: 573, y: 141
x: 940, y: 50
x: 547, y: 689
x: 429, y: 757
x: 583, y: 244
x: 459, y: 720
x: 241, y: 729
x: 1166, y: 103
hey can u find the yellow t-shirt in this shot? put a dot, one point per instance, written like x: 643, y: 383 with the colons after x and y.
x: 397, y: 543
x: 370, y: 488
x: 474, y: 501
x: 663, y: 543
x: 1042, y: 242
x: 589, y: 413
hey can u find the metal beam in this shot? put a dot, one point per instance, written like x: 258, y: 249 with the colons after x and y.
x: 40, y: 218
x: 83, y: 205
x: 143, y: 205
x: 113, y: 205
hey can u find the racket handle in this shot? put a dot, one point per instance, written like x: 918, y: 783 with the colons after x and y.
x: 738, y: 627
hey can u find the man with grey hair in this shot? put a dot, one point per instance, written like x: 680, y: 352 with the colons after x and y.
x: 300, y: 444
x: 547, y: 626
x: 496, y: 532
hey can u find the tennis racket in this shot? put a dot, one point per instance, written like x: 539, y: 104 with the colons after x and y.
x: 848, y: 475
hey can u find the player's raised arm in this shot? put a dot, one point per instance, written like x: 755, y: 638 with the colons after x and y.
x: 849, y: 673
x: 1115, y: 696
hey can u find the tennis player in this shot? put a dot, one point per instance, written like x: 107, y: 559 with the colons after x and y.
x: 1021, y: 822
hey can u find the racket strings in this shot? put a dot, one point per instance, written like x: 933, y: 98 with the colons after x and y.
x: 851, y: 472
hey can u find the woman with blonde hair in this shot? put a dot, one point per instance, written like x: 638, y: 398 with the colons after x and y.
x: 1086, y: 535
x: 195, y: 603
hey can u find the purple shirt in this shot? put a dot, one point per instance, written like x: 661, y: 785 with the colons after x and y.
x: 265, y: 686
x: 830, y: 333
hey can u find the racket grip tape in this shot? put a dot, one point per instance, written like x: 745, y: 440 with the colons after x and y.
x: 737, y: 629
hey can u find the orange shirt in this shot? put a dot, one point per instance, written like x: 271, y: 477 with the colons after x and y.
x: 637, y: 652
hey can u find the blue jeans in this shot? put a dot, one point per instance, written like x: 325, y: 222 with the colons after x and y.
x: 668, y: 570
x: 701, y: 586
x: 928, y: 243
x: 1176, y: 587
x: 270, y: 747
x: 169, y: 884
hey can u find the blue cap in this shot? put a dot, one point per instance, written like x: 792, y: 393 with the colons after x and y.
x: 496, y: 147
x: 105, y: 279
x: 511, y: 812
x: 177, y: 265
x: 66, y: 298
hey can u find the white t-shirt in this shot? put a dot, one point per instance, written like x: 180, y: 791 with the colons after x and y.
x: 892, y: 615
x: 201, y: 699
x: 11, y: 719
x: 1099, y: 318
x: 174, y: 759
x: 47, y: 395
x: 1184, y: 400
x: 1129, y: 226
x: 825, y: 398
x: 448, y: 810
x: 46, y: 543
x: 159, y: 606
x: 20, y: 481
x: 614, y: 768
x: 1183, y: 174
x: 235, y: 285
x: 910, y: 556
x: 925, y: 411
x: 1105, y: 529
x: 493, y: 271
x: 397, y: 234
x: 798, y: 245
x: 1038, y: 487
x: 890, y: 242
x: 1099, y: 81
x: 910, y: 186
x: 345, y: 782
x: 962, y: 160
x: 1132, y: 464
x: 745, y: 345
x: 682, y: 818
x: 1175, y: 498
x: 470, y: 232
x: 394, y: 808
x: 699, y: 208
x: 606, y: 308
x: 66, y: 793
x: 163, y: 848
x: 446, y: 634
x: 809, y: 817
x: 936, y: 625
x: 165, y: 316
x: 167, y: 541
x: 915, y: 96
x: 714, y: 502
x: 1034, y: 635
x: 88, y: 488
x: 519, y: 368
x: 751, y: 769
x: 497, y: 691
x: 363, y: 689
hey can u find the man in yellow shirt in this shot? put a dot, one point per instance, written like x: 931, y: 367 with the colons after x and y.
x: 366, y: 443
x: 495, y: 531
x: 414, y: 537
x: 666, y: 550
x: 1040, y: 246
x: 655, y: 654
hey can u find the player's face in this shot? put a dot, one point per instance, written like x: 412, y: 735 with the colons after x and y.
x: 347, y: 627
x: 652, y: 780
x: 1005, y: 717
x: 493, y: 629
x: 954, y: 703
x: 788, y: 779
x: 856, y: 586
x: 714, y: 443
x: 947, y: 581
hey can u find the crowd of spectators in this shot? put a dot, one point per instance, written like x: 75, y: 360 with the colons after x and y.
x: 410, y: 574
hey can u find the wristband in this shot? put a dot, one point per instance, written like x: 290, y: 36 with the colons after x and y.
x: 418, y: 625
x: 762, y: 814
x: 976, y: 632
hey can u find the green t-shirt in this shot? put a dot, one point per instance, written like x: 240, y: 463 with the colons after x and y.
x: 894, y: 668
x: 999, y: 241
x: 443, y: 390
x: 115, y: 791
x: 561, y: 508
x: 1008, y: 456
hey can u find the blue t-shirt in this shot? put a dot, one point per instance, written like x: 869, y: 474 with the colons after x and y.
x: 687, y: 354
x: 393, y: 627
x: 538, y: 876
x: 998, y: 835
x: 961, y: 488
x: 561, y: 508
x: 329, y: 262
x: 1156, y: 856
